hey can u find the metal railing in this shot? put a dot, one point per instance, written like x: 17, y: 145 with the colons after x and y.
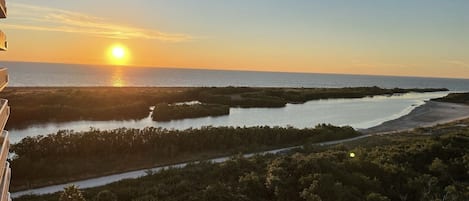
x: 3, y: 78
x: 4, y: 196
x: 4, y: 151
x: 3, y: 41
x: 4, y: 113
x: 5, y: 171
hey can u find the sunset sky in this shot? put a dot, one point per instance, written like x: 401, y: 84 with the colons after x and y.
x: 395, y: 37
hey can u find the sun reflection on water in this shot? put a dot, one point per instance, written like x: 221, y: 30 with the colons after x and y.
x: 117, y: 79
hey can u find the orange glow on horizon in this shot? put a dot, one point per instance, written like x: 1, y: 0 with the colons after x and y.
x: 299, y: 41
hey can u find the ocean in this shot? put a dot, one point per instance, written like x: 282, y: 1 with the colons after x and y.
x: 47, y: 74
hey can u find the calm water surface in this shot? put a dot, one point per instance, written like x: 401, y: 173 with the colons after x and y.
x: 44, y: 74
x: 359, y: 113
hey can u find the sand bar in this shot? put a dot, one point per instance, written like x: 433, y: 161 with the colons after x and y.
x: 430, y: 114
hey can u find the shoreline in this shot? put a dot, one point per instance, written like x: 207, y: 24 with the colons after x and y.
x: 430, y: 114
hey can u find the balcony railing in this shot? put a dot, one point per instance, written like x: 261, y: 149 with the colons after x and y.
x: 3, y: 41
x: 5, y: 186
x: 3, y: 78
x: 4, y: 113
x: 3, y: 9
x: 5, y: 171
x: 4, y: 151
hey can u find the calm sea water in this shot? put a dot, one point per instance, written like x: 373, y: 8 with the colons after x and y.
x: 44, y: 74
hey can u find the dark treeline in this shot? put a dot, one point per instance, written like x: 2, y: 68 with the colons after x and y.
x: 68, y: 156
x: 455, y: 98
x: 279, y: 97
x: 39, y: 105
x: 167, y: 112
x: 405, y: 167
x: 59, y: 104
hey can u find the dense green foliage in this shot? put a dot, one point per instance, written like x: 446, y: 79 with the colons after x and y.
x: 167, y: 112
x: 455, y: 98
x: 67, y: 155
x: 38, y: 105
x: 59, y: 104
x: 406, y: 167
x: 106, y: 196
x: 279, y: 97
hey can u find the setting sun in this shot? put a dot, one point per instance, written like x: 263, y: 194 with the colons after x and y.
x: 118, y: 55
x: 118, y: 52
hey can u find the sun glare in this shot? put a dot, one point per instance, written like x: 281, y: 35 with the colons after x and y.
x: 118, y: 52
x: 118, y: 55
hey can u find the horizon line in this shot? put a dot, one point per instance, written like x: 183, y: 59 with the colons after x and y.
x: 238, y: 70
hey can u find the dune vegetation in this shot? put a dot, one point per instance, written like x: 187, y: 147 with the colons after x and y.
x: 455, y: 98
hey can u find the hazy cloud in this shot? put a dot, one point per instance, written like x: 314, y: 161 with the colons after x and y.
x: 31, y: 17
x: 358, y: 63
x: 457, y: 63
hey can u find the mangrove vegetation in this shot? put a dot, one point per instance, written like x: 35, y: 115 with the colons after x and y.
x: 67, y: 156
x: 32, y: 105
x: 401, y: 167
x: 168, y: 112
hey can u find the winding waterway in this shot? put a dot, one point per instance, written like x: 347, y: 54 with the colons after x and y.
x: 359, y: 113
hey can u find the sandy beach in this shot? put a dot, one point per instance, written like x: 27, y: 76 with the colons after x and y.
x: 430, y: 114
